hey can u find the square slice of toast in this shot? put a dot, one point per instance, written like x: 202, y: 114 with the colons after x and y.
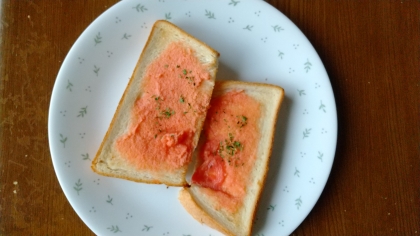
x: 233, y: 155
x: 158, y: 121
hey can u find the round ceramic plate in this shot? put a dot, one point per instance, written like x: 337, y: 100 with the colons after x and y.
x: 256, y: 43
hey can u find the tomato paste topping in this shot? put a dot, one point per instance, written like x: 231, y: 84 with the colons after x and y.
x: 164, y: 118
x: 228, y: 155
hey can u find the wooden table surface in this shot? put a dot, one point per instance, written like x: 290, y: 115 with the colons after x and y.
x: 371, y: 51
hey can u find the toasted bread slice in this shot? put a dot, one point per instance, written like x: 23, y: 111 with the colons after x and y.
x: 158, y: 121
x: 233, y: 156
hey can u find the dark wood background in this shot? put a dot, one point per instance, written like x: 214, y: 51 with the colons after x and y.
x: 371, y: 50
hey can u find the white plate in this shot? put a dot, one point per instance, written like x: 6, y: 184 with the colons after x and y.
x: 256, y: 43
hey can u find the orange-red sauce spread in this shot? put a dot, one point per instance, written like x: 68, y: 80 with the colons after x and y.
x: 164, y: 117
x: 229, y: 152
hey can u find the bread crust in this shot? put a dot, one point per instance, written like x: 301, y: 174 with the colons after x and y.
x: 198, y: 213
x: 195, y: 201
x: 162, y: 33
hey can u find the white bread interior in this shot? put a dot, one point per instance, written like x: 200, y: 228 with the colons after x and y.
x: 202, y: 206
x: 108, y: 160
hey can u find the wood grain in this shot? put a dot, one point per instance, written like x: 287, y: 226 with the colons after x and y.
x: 370, y: 50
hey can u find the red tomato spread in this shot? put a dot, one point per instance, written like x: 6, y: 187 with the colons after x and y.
x: 228, y: 154
x: 164, y: 118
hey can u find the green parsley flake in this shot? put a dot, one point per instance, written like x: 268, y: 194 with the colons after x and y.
x: 238, y: 145
x: 168, y: 112
x: 230, y: 150
x: 243, y: 121
x: 221, y: 149
x: 230, y: 146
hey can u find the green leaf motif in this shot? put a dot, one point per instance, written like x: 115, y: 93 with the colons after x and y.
x: 210, y: 15
x: 298, y: 202
x: 307, y: 65
x: 63, y: 140
x: 281, y: 54
x: 320, y: 155
x: 140, y: 8
x: 69, y: 85
x: 146, y: 228
x: 168, y: 16
x: 96, y: 70
x: 306, y: 133
x: 126, y: 36
x: 322, y: 107
x: 82, y: 112
x: 114, y: 229
x: 248, y: 27
x: 301, y: 92
x: 86, y: 156
x: 297, y: 172
x: 78, y: 186
x: 109, y: 200
x: 234, y: 3
x: 98, y: 38
x: 271, y: 207
x: 277, y: 28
